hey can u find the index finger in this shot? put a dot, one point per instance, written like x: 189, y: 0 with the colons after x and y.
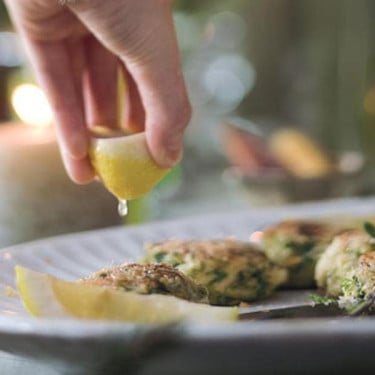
x: 61, y: 81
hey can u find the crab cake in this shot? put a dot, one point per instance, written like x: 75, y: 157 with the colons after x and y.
x: 231, y: 270
x: 149, y: 278
x: 342, y: 257
x: 297, y: 245
x: 359, y: 284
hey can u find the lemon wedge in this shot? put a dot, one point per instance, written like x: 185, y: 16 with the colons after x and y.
x: 125, y: 165
x: 46, y: 296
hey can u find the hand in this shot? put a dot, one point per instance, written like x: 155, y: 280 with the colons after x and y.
x: 76, y: 48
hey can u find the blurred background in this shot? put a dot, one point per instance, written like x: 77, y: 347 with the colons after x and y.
x: 283, y: 96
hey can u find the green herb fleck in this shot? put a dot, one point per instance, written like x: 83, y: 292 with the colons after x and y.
x: 241, y: 279
x: 353, y: 285
x: 347, y: 284
x: 219, y: 275
x: 322, y: 300
x: 217, y: 298
x: 369, y: 228
x: 300, y: 248
x: 159, y: 257
x: 262, y: 282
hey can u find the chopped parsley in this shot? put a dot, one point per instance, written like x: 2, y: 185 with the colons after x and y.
x: 322, y: 300
x: 219, y: 275
x: 241, y: 278
x: 348, y: 283
x: 300, y: 248
x: 262, y: 281
x: 353, y: 285
x: 159, y: 257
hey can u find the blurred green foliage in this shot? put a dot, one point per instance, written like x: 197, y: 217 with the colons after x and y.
x: 191, y: 5
x: 212, y: 5
x: 4, y: 19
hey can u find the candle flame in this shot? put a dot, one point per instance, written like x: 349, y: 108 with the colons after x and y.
x: 31, y: 105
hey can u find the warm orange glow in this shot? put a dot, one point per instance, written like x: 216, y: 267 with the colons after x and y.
x: 31, y: 105
x: 256, y: 236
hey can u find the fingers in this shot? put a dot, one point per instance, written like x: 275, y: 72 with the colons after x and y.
x: 59, y: 74
x: 80, y: 171
x: 159, y: 79
x: 167, y: 115
x: 100, y: 85
x: 133, y: 111
x: 142, y: 34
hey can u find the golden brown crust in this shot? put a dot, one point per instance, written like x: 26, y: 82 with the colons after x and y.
x: 158, y: 278
x: 367, y: 262
x: 303, y: 228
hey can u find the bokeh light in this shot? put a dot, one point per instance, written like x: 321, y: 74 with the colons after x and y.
x: 31, y: 105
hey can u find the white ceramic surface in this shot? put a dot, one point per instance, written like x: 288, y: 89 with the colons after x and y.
x: 85, y: 347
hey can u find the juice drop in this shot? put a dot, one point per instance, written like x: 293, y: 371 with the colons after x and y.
x: 122, y: 207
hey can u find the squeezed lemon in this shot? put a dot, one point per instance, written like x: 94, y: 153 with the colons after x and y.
x: 125, y: 165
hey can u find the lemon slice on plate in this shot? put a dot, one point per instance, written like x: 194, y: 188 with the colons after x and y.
x: 125, y: 165
x: 46, y: 296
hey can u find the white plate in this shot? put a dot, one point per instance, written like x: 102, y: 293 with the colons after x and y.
x: 101, y: 347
